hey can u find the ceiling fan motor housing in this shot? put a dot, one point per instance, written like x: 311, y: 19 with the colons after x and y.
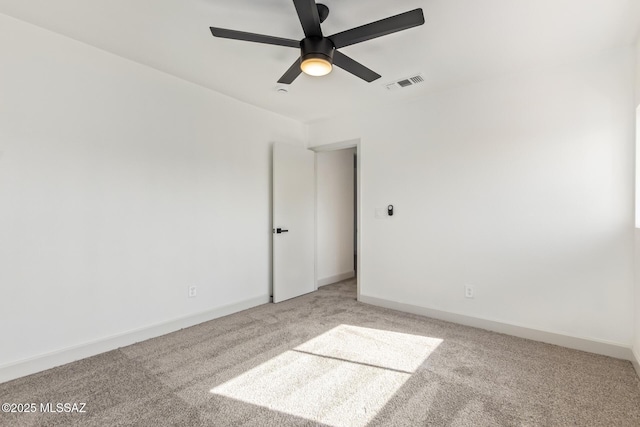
x: 317, y: 47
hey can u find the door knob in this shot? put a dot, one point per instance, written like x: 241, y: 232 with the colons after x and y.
x: 281, y: 230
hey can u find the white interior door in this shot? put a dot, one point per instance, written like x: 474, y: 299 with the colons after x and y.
x: 293, y: 221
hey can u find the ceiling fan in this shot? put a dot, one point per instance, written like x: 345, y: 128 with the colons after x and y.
x: 317, y: 52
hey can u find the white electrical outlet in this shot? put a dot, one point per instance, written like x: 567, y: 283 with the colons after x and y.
x: 193, y: 291
x: 468, y: 291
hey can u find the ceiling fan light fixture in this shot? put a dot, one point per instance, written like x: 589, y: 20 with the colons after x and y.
x: 316, y: 56
x: 316, y: 66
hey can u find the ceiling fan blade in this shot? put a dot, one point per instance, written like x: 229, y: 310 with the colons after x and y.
x: 252, y: 37
x: 380, y: 28
x: 354, y: 67
x: 309, y: 18
x: 291, y: 74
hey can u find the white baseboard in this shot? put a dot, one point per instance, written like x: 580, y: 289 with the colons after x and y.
x: 618, y: 351
x: 636, y: 361
x: 337, y: 278
x: 70, y: 354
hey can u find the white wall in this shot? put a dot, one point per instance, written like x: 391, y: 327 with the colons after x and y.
x: 521, y: 186
x: 638, y: 72
x: 335, y: 214
x: 120, y: 186
x: 636, y: 340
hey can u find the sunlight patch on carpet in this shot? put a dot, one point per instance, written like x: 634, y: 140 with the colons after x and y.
x: 342, y: 377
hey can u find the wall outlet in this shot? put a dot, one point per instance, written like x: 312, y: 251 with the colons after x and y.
x: 193, y: 291
x: 468, y: 291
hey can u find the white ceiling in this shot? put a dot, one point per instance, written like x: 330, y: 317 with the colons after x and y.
x: 462, y: 41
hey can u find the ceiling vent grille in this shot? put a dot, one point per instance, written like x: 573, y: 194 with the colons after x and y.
x: 405, y: 82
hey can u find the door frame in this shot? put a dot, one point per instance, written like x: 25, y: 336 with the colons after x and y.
x: 342, y: 145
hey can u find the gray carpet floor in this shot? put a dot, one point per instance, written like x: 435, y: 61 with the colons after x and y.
x: 325, y: 359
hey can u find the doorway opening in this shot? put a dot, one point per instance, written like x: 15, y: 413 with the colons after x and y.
x: 337, y: 213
